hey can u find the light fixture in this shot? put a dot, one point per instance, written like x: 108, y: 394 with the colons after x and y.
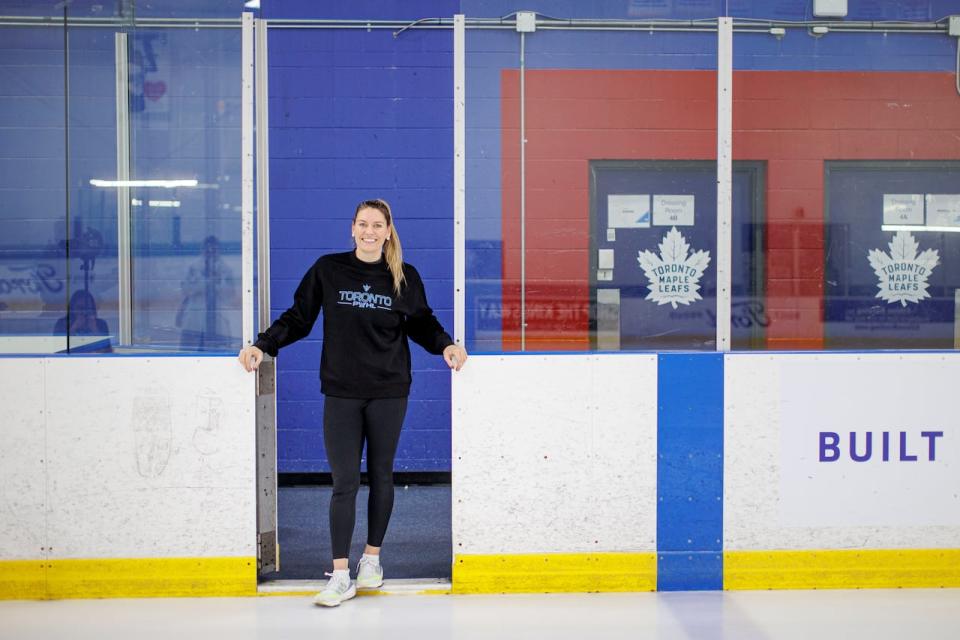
x: 778, y: 32
x: 165, y: 184
x: 919, y: 227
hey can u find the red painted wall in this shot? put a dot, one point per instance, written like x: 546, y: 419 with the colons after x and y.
x: 792, y: 120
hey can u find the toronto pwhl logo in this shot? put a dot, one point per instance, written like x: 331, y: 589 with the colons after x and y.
x: 365, y: 300
x: 903, y: 273
x: 675, y: 274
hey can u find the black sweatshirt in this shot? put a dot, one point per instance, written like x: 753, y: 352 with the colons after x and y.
x: 365, y: 326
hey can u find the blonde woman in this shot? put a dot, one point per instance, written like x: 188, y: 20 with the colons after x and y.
x: 372, y: 302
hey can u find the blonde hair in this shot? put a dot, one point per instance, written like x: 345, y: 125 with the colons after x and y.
x: 392, y: 251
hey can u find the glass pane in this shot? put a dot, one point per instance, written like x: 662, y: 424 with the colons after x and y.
x: 615, y: 247
x: 92, y: 319
x: 185, y: 220
x: 891, y: 267
x: 33, y: 266
x: 661, y: 300
x: 490, y: 56
x: 857, y: 133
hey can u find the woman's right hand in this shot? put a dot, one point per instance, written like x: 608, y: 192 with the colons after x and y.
x: 250, y: 357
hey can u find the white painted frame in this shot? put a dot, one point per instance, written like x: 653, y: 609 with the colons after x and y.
x: 124, y: 262
x: 459, y: 178
x: 724, y: 179
x: 247, y: 178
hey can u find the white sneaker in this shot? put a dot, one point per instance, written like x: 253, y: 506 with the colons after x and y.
x: 369, y: 575
x: 339, y: 588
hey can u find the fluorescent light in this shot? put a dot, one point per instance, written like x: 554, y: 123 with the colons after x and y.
x: 919, y: 227
x: 165, y: 184
x: 252, y: 4
x: 135, y: 202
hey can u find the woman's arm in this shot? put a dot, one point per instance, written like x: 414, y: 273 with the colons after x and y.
x: 293, y: 324
x: 424, y: 328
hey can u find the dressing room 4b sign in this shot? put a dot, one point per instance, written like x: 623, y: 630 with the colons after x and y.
x: 853, y: 453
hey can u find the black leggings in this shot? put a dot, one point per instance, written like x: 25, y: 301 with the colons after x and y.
x: 347, y: 423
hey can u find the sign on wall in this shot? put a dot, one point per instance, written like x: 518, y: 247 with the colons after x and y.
x: 903, y: 208
x: 904, y: 272
x: 673, y: 211
x: 674, y: 275
x: 628, y: 211
x: 871, y: 441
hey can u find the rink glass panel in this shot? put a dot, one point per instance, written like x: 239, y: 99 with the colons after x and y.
x: 591, y: 97
x: 59, y: 250
x: 185, y: 124
x: 862, y: 207
x: 33, y: 260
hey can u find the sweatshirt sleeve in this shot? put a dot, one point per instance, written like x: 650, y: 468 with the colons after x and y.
x: 297, y: 321
x: 422, y: 326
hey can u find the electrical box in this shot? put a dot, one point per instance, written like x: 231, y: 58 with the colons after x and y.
x: 954, y: 28
x: 526, y: 21
x: 830, y: 8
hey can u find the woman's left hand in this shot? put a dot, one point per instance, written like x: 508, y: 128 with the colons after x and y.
x: 455, y: 356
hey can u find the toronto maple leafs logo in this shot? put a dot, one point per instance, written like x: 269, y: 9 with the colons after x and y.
x: 675, y: 274
x: 903, y: 274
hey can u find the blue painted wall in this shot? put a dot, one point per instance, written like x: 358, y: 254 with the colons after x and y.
x: 354, y: 115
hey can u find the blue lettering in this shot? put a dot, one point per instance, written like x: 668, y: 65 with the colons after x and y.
x: 831, y: 446
x: 830, y: 449
x: 853, y: 447
x: 904, y: 456
x: 931, y: 437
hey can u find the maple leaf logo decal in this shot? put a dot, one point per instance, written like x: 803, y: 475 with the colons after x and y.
x: 674, y: 275
x: 903, y: 274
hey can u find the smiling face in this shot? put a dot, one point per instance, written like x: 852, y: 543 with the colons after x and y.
x: 370, y: 231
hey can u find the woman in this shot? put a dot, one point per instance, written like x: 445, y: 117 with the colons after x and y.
x: 372, y: 302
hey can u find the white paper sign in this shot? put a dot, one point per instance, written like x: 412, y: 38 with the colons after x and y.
x: 605, y: 259
x: 608, y: 296
x: 858, y: 456
x: 628, y: 211
x: 903, y: 208
x: 943, y: 210
x: 673, y: 211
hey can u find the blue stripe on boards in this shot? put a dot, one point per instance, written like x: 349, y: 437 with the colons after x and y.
x: 690, y: 472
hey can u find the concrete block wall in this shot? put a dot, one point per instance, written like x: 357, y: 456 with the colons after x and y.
x: 355, y: 115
